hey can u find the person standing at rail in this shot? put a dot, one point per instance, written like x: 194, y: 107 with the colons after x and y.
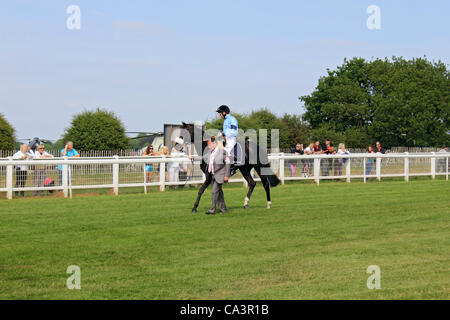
x: 22, y: 170
x: 68, y: 152
x: 175, y: 167
x: 148, y: 152
x: 39, y: 170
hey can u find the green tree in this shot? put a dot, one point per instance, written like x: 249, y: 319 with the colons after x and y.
x: 97, y: 130
x: 59, y: 144
x: 327, y: 131
x: 399, y: 102
x: 294, y: 130
x: 7, y: 134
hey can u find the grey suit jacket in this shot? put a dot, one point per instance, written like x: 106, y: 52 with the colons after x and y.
x: 221, y: 165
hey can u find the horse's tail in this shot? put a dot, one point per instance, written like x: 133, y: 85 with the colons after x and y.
x: 273, y: 180
x: 263, y: 163
x: 267, y: 172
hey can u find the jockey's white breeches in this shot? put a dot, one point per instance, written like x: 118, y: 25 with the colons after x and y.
x: 231, y: 142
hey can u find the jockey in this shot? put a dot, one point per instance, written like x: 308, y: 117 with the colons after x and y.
x: 230, y: 129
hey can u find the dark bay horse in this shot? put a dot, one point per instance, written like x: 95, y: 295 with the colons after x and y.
x: 255, y: 158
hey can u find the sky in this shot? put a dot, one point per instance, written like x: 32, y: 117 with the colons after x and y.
x: 167, y: 61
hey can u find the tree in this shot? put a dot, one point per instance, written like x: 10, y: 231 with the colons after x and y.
x: 7, y: 134
x: 399, y: 102
x: 59, y: 144
x: 97, y: 130
x: 294, y: 130
x: 327, y: 132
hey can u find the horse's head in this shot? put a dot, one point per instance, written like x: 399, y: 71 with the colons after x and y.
x: 189, y: 128
x: 193, y: 130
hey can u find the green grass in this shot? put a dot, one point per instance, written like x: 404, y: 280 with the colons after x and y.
x: 315, y: 243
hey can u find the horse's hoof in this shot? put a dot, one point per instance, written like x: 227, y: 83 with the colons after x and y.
x: 194, y: 210
x: 246, y: 206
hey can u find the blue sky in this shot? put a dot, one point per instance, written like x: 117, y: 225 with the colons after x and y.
x: 167, y: 61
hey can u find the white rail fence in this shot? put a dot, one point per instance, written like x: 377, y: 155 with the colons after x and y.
x: 125, y: 172
x: 138, y: 152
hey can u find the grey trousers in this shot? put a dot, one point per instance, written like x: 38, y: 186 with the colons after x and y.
x: 217, y: 196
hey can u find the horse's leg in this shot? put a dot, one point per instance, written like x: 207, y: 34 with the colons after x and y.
x: 251, y: 183
x: 208, y: 179
x: 266, y: 184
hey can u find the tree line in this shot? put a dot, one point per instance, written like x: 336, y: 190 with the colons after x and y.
x: 397, y: 101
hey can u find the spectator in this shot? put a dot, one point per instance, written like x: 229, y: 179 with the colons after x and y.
x: 370, y: 161
x: 175, y: 167
x: 340, y: 162
x: 327, y: 163
x: 310, y: 162
x: 39, y: 170
x: 148, y: 152
x: 441, y: 161
x: 22, y: 170
x: 317, y: 148
x: 165, y: 153
x: 298, y: 150
x: 328, y: 148
x: 184, y: 168
x: 69, y: 152
x: 379, y: 148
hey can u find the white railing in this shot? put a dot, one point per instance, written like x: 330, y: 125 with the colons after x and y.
x: 121, y: 172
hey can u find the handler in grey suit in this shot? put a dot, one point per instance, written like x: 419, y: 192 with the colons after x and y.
x: 219, y: 167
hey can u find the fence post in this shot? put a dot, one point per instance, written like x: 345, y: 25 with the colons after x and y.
x: 65, y: 177
x: 347, y: 170
x: 433, y: 166
x: 162, y: 175
x: 446, y: 168
x: 115, y: 168
x: 282, y: 168
x: 317, y: 170
x: 378, y: 167
x: 364, y: 169
x: 145, y: 178
x: 9, y: 179
x: 406, y: 167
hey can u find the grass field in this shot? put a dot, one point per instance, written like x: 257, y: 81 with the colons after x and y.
x: 315, y: 243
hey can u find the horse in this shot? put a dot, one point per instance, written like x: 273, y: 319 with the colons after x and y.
x: 255, y: 153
